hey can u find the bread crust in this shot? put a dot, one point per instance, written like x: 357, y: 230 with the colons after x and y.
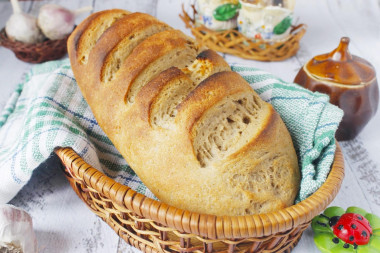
x: 148, y: 94
x: 94, y: 23
x: 226, y: 152
x: 149, y: 51
x: 207, y: 94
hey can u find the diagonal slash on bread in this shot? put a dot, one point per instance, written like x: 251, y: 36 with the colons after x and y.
x: 195, y: 132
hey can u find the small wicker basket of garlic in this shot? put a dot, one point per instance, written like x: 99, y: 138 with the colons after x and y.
x: 42, y: 38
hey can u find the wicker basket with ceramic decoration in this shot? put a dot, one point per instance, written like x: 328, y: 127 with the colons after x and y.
x: 153, y: 226
x: 235, y: 43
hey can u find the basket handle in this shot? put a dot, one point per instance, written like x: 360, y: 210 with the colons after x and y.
x: 298, y: 28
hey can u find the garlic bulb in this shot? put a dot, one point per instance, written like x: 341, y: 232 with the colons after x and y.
x: 16, y: 230
x: 56, y: 21
x: 22, y: 27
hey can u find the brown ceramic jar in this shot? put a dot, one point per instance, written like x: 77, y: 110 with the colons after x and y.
x: 351, y: 83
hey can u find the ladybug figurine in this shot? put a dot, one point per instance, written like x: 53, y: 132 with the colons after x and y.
x: 352, y: 228
x: 353, y: 231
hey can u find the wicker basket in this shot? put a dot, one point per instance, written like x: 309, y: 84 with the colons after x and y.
x: 235, y: 43
x: 35, y: 53
x: 153, y: 226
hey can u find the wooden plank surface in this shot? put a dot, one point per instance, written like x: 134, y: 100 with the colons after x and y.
x: 63, y: 223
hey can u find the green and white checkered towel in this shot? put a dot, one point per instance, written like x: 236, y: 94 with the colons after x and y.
x: 48, y: 110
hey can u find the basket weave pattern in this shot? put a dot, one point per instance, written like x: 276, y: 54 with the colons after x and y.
x: 153, y: 226
x: 35, y: 53
x: 235, y: 43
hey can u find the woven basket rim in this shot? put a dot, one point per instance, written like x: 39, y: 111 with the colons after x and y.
x: 210, y: 226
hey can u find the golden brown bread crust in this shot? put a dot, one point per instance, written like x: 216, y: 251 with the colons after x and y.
x: 149, y: 51
x: 93, y: 25
x: 207, y: 94
x: 211, y: 56
x: 149, y: 93
x: 226, y: 152
x: 137, y: 22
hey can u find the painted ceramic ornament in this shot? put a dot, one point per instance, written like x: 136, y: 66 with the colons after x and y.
x: 353, y: 230
x: 217, y: 14
x: 264, y: 22
x: 226, y: 11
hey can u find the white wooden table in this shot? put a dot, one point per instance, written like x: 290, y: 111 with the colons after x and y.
x: 64, y: 224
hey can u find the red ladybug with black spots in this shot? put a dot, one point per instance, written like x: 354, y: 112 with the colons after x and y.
x: 351, y: 228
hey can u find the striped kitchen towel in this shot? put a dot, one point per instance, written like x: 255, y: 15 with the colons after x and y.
x: 48, y: 110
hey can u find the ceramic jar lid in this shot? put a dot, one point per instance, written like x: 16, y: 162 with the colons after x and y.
x: 340, y: 67
x: 351, y: 83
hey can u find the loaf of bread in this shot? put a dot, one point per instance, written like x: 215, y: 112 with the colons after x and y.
x: 195, y: 132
